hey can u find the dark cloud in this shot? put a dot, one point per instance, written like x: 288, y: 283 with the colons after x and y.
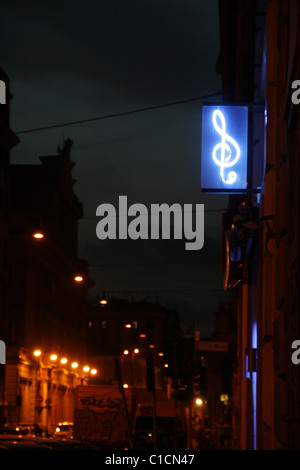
x: 147, y: 47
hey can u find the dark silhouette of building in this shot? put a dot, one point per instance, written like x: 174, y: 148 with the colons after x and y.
x: 123, y: 324
x: 46, y: 286
x: 7, y: 141
x: 50, y: 308
x: 144, y: 327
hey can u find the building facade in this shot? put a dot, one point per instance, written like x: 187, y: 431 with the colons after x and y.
x: 259, y: 61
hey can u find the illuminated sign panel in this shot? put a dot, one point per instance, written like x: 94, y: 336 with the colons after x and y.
x: 224, y: 156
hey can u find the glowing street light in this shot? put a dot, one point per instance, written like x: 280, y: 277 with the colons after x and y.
x: 64, y: 360
x: 37, y: 353
x: 86, y: 368
x: 53, y: 357
x: 74, y: 365
x: 125, y: 385
x: 38, y: 235
x: 78, y: 278
x: 198, y: 401
x: 103, y: 300
x: 93, y: 371
x: 136, y: 351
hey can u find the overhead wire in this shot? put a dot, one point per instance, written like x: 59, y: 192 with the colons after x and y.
x: 119, y: 114
x: 123, y: 114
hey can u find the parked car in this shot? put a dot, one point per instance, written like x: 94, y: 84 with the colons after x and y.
x: 63, y: 430
x: 21, y: 430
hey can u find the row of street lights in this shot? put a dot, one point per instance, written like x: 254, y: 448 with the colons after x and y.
x: 63, y: 361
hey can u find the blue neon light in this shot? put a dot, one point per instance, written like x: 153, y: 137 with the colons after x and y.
x: 224, y: 148
x: 254, y: 384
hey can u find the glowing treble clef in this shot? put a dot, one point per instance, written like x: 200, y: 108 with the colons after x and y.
x: 226, y: 160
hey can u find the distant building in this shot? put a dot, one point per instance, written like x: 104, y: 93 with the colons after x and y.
x: 143, y: 327
x: 215, y: 371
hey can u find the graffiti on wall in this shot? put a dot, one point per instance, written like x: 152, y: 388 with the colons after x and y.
x: 100, y: 419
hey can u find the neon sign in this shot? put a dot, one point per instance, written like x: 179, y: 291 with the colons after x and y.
x: 224, y: 148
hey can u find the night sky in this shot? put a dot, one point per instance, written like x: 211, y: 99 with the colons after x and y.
x: 70, y: 61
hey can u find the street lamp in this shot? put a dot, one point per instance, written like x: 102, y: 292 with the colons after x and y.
x: 51, y: 393
x: 78, y: 278
x: 38, y: 398
x: 38, y: 235
x: 103, y: 300
x: 132, y: 355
